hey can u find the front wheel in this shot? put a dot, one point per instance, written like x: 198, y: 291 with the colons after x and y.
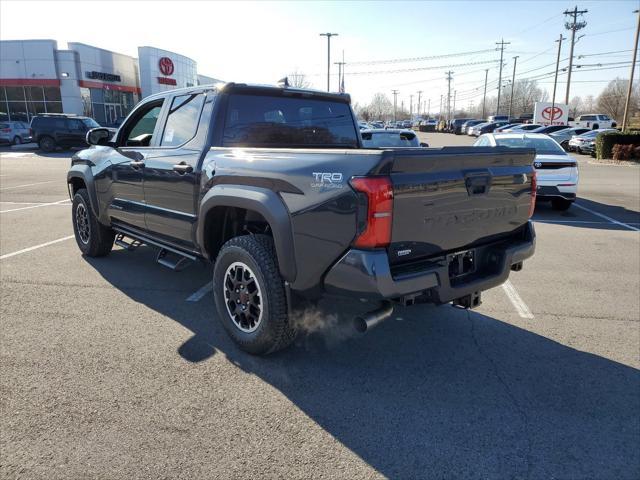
x: 17, y: 140
x: 93, y: 238
x: 560, y: 204
x: 250, y: 295
x: 47, y: 144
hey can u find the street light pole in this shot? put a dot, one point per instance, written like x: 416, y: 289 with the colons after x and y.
x: 419, y: 104
x: 633, y: 64
x: 395, y: 103
x: 328, y: 35
x: 555, y: 80
x: 513, y: 82
x: 484, y: 98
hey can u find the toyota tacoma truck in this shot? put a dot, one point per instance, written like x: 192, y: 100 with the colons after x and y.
x: 273, y: 187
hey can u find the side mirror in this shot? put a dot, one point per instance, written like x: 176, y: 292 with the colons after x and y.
x: 424, y: 145
x: 98, y: 136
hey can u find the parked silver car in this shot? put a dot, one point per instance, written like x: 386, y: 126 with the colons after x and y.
x: 563, y: 136
x: 14, y: 133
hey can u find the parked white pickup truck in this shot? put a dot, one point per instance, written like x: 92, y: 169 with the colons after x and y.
x: 594, y: 121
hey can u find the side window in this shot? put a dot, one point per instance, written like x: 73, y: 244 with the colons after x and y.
x: 482, y: 142
x: 75, y: 125
x: 138, y: 132
x: 182, y: 120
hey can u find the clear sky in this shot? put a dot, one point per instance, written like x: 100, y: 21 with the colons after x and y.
x: 263, y: 41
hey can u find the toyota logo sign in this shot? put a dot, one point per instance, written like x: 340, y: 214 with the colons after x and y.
x: 166, y: 66
x: 551, y: 114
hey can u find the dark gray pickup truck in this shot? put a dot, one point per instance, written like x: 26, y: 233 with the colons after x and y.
x: 272, y: 186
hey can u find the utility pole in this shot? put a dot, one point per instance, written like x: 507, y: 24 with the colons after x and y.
x: 440, y: 110
x: 454, y: 103
x: 573, y: 26
x: 449, y: 95
x: 555, y: 79
x: 419, y: 104
x: 428, y: 108
x: 502, y: 43
x: 411, y: 107
x: 484, y: 98
x: 625, y: 118
x: 395, y: 103
x: 513, y: 82
x: 328, y: 35
x: 339, y: 73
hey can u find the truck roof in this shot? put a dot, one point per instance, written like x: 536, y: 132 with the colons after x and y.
x: 232, y: 87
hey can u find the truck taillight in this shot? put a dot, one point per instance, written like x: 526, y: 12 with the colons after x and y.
x: 375, y: 198
x: 534, y: 188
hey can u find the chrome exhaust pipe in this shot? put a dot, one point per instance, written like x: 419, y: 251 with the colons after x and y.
x: 369, y: 320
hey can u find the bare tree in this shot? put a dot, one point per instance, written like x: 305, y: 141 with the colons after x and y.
x: 299, y: 80
x: 589, y: 104
x: 575, y: 106
x: 380, y: 107
x: 612, y: 99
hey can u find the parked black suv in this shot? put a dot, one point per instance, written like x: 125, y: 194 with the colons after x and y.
x: 60, y: 130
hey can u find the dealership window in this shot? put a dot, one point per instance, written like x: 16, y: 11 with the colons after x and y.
x: 22, y: 103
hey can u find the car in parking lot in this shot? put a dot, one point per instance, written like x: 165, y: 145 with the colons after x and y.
x: 51, y: 131
x: 456, y: 125
x: 548, y: 129
x: 468, y: 124
x: 14, y: 133
x: 474, y: 130
x: 523, y: 127
x: 563, y: 136
x: 505, y: 127
x: 379, y: 138
x: 556, y: 171
x: 487, y: 127
x: 585, y: 143
x: 595, y: 121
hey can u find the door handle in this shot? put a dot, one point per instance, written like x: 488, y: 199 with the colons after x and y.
x: 137, y: 163
x: 183, y: 168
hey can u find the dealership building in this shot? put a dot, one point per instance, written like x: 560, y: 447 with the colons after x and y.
x: 37, y: 77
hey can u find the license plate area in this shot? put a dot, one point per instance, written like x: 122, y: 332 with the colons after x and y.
x: 461, y: 263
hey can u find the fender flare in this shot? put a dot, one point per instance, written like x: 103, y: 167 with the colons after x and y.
x: 84, y: 173
x: 268, y: 204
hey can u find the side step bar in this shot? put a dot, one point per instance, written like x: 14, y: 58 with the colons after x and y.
x: 167, y: 256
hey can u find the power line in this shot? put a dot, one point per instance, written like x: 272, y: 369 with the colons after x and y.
x: 420, y: 69
x: 574, y: 26
x: 419, y: 59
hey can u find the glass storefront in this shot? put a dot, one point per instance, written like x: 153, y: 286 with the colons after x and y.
x: 108, y: 107
x: 22, y: 103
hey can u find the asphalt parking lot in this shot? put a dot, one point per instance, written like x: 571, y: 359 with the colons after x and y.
x: 117, y: 368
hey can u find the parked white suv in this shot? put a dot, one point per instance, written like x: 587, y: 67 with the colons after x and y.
x: 556, y: 171
x: 595, y: 121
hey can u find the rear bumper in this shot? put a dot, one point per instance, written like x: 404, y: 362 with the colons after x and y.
x: 549, y: 191
x: 368, y: 274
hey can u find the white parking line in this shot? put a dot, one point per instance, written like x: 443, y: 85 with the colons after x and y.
x: 516, y: 300
x: 26, y: 185
x: 60, y: 202
x: 35, y: 247
x: 609, y: 219
x: 200, y: 293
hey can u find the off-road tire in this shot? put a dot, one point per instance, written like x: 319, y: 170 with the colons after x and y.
x: 560, y: 204
x: 47, y: 144
x: 99, y: 240
x: 274, y: 330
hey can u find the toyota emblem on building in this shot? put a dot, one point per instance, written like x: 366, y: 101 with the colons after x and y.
x: 550, y: 115
x: 166, y: 66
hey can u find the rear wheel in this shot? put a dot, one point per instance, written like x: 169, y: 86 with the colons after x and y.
x: 47, y: 144
x: 560, y: 204
x: 17, y: 140
x: 93, y: 238
x: 250, y: 295
x: 596, y: 126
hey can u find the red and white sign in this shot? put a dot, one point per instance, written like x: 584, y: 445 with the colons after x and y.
x: 546, y: 113
x: 167, y: 81
x: 166, y: 66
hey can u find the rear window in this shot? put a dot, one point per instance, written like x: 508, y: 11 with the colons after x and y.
x: 543, y: 146
x: 386, y: 139
x: 265, y: 121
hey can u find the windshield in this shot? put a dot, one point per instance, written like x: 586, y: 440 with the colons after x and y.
x: 543, y: 146
x: 384, y: 139
x: 90, y: 122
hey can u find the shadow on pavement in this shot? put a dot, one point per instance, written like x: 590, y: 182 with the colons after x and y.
x: 576, y: 217
x: 442, y: 392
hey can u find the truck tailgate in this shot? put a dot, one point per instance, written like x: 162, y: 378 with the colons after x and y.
x: 452, y: 198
